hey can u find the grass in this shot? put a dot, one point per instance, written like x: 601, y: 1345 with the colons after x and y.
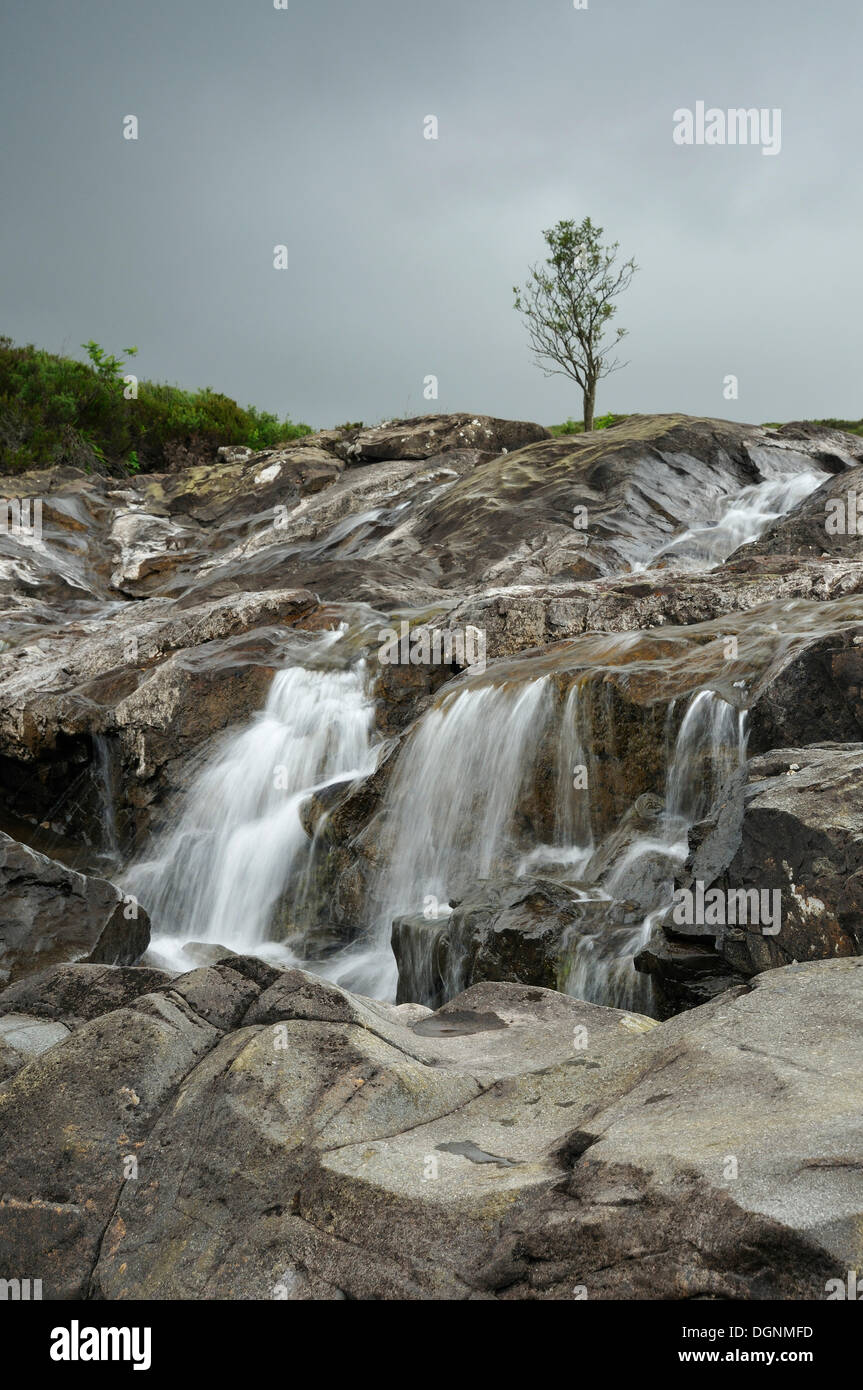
x: 57, y: 410
x: 601, y: 422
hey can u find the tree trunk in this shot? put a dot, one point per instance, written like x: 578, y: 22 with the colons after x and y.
x: 589, y: 402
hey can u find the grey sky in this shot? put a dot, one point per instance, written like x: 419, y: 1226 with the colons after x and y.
x: 305, y: 127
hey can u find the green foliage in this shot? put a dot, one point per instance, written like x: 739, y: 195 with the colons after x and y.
x: 56, y: 410
x: 568, y: 302
x: 602, y: 422
x: 849, y: 426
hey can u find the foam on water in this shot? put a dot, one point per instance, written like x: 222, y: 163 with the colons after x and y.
x: 220, y: 873
x: 743, y: 519
x: 455, y: 810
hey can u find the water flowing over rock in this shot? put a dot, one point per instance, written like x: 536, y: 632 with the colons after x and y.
x: 557, y: 737
x: 237, y: 859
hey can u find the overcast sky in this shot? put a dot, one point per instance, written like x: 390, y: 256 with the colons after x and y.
x: 259, y: 127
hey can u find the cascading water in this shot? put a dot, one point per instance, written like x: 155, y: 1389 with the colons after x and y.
x: 573, y: 842
x: 743, y: 519
x: 220, y: 874
x: 710, y: 744
x: 460, y: 807
x: 450, y: 815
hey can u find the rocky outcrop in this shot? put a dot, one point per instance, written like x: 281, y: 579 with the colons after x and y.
x: 228, y: 1133
x: 426, y: 435
x: 154, y: 682
x: 786, y: 834
x: 49, y: 913
x: 523, y: 931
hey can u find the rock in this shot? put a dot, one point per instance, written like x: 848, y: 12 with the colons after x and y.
x: 49, y: 913
x: 63, y: 1173
x: 801, y: 837
x: 23, y: 1037
x: 812, y: 693
x: 787, y: 825
x: 204, y: 953
x: 78, y: 992
x: 154, y: 682
x: 518, y: 617
x: 522, y: 932
x: 818, y: 527
x: 428, y: 435
x: 515, y: 1144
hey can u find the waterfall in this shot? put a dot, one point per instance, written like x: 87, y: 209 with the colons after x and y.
x: 493, y: 782
x: 105, y: 778
x: 451, y: 815
x: 573, y: 842
x: 743, y: 518
x: 710, y: 744
x: 220, y: 874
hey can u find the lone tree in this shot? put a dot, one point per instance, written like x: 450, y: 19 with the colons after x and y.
x: 567, y: 303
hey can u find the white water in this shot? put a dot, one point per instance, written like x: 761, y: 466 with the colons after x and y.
x: 451, y: 810
x: 710, y: 744
x: 220, y: 874
x: 454, y: 811
x: 743, y: 519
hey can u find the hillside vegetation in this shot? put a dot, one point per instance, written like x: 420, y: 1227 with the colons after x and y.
x: 56, y: 410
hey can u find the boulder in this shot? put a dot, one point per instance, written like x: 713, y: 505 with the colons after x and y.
x: 515, y: 1144
x: 49, y: 913
x: 523, y: 932
x: 426, y: 435
x: 788, y: 825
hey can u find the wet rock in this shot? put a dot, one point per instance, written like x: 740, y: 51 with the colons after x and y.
x: 521, y: 932
x: 801, y: 839
x: 49, y: 913
x: 786, y: 834
x: 523, y: 616
x: 811, y: 694
x: 428, y: 435
x: 624, y: 865
x: 566, y: 1151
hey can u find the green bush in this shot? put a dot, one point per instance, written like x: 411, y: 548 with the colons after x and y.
x: 56, y: 410
x: 849, y: 426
